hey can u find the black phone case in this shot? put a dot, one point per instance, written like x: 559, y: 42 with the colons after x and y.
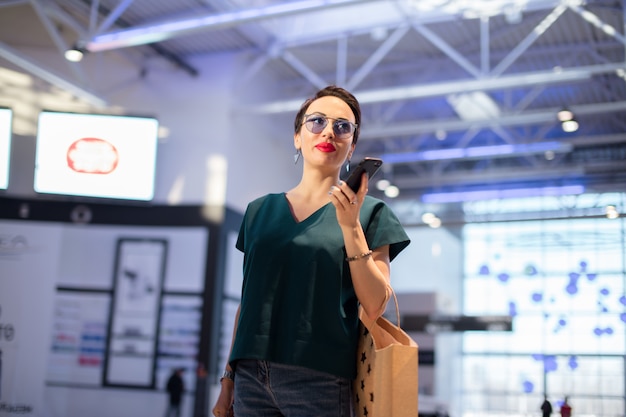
x: 369, y: 165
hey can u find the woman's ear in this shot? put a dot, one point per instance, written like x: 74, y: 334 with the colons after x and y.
x: 352, y: 147
x: 297, y: 141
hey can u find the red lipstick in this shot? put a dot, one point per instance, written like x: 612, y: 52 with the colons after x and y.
x: 325, y: 147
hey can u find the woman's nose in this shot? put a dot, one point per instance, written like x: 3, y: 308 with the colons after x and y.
x: 328, y: 130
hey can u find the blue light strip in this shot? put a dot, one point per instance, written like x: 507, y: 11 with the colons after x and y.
x: 476, y: 152
x: 461, y: 196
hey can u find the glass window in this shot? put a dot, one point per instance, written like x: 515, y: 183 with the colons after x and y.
x: 563, y: 281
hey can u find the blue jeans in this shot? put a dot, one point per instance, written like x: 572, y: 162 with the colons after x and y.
x: 267, y: 389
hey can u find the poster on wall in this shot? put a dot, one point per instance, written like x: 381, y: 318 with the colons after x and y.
x: 28, y: 264
x: 135, y: 312
x: 78, y: 338
x: 179, y: 338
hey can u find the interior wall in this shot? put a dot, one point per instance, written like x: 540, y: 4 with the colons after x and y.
x: 433, y: 263
x: 427, y: 276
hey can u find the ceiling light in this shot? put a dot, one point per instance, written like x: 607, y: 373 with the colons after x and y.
x: 428, y: 5
x: 474, y: 106
x: 611, y: 212
x: 471, y: 9
x: 513, y: 16
x: 569, y: 126
x: 435, y: 223
x: 379, y: 34
x: 565, y: 115
x: 383, y: 184
x: 428, y: 217
x: 431, y: 219
x: 163, y: 133
x: 568, y: 122
x: 74, y: 54
x: 53, y: 78
x: 392, y: 191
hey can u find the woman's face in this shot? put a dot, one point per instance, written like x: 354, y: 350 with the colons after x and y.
x: 326, y: 148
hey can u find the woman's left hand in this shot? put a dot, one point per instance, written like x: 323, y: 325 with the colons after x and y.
x: 348, y: 203
x: 370, y: 266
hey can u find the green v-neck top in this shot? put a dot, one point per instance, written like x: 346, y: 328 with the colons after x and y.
x: 298, y: 304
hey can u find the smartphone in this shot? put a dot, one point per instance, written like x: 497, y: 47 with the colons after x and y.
x: 368, y: 165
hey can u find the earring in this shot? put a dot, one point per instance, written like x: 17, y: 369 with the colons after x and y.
x: 348, y: 166
x: 297, y: 156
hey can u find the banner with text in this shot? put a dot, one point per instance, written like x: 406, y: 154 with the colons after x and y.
x: 29, y: 255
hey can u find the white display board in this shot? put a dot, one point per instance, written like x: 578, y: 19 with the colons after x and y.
x: 94, y: 155
x: 135, y: 312
x: 57, y: 298
x: 29, y: 255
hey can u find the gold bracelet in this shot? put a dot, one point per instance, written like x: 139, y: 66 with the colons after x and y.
x: 361, y: 256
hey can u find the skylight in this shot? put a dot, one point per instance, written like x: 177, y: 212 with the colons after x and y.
x: 481, y: 8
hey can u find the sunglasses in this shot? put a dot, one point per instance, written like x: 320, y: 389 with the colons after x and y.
x: 316, y: 123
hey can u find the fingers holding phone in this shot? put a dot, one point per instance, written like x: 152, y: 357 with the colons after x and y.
x: 343, y: 197
x: 349, y: 194
x: 360, y: 191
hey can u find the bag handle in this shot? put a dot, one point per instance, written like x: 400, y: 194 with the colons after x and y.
x: 385, y: 332
x: 395, y: 299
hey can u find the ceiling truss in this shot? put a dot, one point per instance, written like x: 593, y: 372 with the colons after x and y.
x: 565, y: 53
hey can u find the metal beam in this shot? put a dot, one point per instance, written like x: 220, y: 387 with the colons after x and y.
x: 114, y: 15
x: 528, y: 41
x: 444, y: 47
x: 377, y: 56
x: 454, y: 87
x: 38, y: 70
x: 534, y: 117
x: 304, y: 70
x: 485, y: 42
x: 96, y: 8
x: 597, y: 22
x: 158, y: 32
x: 57, y: 39
x: 342, y: 61
x: 10, y: 3
x: 503, y: 151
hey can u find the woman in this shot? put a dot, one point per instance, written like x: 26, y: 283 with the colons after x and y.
x: 312, y: 255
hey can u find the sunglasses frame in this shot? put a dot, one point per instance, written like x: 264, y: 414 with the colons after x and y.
x: 326, y: 118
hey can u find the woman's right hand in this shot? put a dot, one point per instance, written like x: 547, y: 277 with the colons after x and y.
x: 224, y: 405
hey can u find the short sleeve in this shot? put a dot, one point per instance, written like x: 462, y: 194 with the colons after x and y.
x: 382, y: 227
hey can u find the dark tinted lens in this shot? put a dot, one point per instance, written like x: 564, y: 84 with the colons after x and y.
x: 342, y: 128
x: 316, y: 124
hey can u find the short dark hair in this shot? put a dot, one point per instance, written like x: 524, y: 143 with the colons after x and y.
x: 341, y: 93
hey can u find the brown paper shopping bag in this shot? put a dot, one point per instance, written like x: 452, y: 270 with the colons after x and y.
x: 387, y: 376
